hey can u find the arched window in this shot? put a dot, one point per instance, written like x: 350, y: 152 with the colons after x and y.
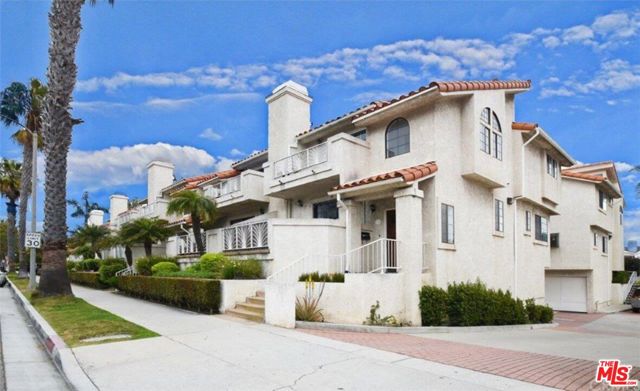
x: 490, y: 129
x: 397, y: 138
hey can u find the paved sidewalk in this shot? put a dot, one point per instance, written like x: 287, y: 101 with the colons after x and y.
x: 27, y: 365
x: 200, y: 352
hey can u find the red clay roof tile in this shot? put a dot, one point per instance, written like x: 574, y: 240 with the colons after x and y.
x: 407, y: 174
x: 524, y: 126
x: 579, y: 175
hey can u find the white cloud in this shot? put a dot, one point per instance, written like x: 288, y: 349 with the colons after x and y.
x: 224, y: 163
x: 551, y: 42
x: 236, y: 152
x: 618, y: 24
x: 623, y: 167
x: 561, y: 91
x: 370, y: 96
x: 209, y: 134
x: 99, y: 105
x: 631, y: 225
x: 584, y: 108
x: 578, y: 34
x: 118, y: 166
x: 178, y: 103
x: 122, y: 79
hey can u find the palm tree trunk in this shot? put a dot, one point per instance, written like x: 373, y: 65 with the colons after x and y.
x: 65, y: 26
x: 25, y: 190
x: 128, y: 254
x: 11, y: 234
x: 197, y: 233
x: 148, y: 246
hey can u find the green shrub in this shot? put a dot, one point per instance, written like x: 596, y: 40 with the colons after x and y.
x: 249, y: 269
x: 144, y: 265
x: 71, y: 266
x: 620, y: 276
x: 375, y: 319
x: 164, y: 267
x: 546, y: 314
x: 108, y: 270
x: 90, y: 279
x: 538, y: 313
x: 188, y: 274
x: 194, y: 294
x: 472, y: 304
x: 325, y: 277
x: 212, y: 263
x: 88, y: 265
x: 433, y: 306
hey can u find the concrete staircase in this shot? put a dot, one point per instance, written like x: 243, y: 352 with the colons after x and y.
x: 252, y: 309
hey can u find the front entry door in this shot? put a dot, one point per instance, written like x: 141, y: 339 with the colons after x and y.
x: 390, y: 250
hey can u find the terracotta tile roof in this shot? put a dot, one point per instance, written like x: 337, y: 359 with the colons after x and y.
x: 579, y: 175
x: 455, y: 86
x: 524, y: 126
x: 407, y: 174
x: 194, y: 181
x: 592, y: 164
x: 352, y: 112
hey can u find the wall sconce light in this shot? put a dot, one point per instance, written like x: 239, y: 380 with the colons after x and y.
x: 300, y: 203
x: 372, y: 208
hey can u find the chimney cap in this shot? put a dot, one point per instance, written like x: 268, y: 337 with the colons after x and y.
x: 119, y: 196
x: 293, y: 85
x: 161, y: 164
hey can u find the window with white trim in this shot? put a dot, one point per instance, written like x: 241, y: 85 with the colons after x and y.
x: 447, y: 224
x: 499, y: 216
x: 602, y: 200
x: 490, y: 133
x: 595, y: 239
x: 605, y: 244
x: 361, y: 134
x: 542, y: 228
x: 527, y: 220
x: 552, y: 166
x: 397, y: 138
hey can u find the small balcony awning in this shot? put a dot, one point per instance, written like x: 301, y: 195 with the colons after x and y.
x: 401, y: 177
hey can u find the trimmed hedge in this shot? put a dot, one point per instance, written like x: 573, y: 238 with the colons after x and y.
x: 324, y: 277
x: 620, y: 276
x: 90, y: 279
x: 472, y: 304
x: 193, y: 294
x: 164, y: 267
x: 144, y: 265
x: 187, y: 274
x: 108, y: 270
x: 250, y: 269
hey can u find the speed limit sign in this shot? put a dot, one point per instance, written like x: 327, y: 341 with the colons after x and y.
x: 33, y: 240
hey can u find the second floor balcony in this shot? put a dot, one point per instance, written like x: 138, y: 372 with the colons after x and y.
x: 341, y: 158
x: 247, y: 187
x: 157, y: 209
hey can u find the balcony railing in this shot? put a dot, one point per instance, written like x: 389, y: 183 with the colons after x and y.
x: 136, y: 213
x: 246, y: 236
x: 187, y: 244
x: 228, y: 186
x: 301, y: 160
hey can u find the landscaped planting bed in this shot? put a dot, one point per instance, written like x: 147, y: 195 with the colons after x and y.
x: 90, y: 279
x: 202, y: 295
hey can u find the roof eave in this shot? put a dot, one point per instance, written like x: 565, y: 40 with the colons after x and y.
x: 394, y: 105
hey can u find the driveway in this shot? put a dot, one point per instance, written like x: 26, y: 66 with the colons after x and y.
x: 200, y: 352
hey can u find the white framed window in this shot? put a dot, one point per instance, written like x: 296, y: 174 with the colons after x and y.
x: 605, y: 244
x: 499, y: 216
x: 361, y: 134
x: 447, y: 224
x: 602, y: 200
x: 527, y: 220
x: 397, y: 138
x: 542, y: 228
x: 552, y: 166
x: 490, y: 133
x: 595, y: 239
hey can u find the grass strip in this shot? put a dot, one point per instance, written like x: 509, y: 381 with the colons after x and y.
x: 75, y: 320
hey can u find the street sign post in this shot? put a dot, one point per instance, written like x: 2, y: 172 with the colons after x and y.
x: 33, y: 240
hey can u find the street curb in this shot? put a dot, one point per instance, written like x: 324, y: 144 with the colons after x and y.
x: 417, y: 330
x: 61, y: 355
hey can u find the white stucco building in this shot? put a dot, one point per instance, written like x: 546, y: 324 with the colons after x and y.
x: 441, y: 185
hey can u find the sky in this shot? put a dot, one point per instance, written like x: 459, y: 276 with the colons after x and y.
x: 186, y: 80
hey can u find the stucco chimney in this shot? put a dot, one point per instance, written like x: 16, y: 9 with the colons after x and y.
x: 289, y: 114
x: 117, y: 204
x: 96, y: 217
x: 159, y: 176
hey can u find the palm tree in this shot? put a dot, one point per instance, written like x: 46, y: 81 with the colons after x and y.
x: 21, y: 105
x: 201, y: 209
x: 65, y: 26
x: 96, y: 236
x: 84, y: 207
x: 10, y: 189
x: 146, y: 231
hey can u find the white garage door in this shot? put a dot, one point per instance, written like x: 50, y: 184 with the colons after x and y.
x: 566, y: 293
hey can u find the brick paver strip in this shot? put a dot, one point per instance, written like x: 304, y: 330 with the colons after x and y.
x: 543, y: 369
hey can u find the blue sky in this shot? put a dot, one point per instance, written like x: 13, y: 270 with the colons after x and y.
x: 187, y: 80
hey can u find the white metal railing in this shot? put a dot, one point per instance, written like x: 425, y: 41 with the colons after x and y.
x: 301, y: 160
x: 308, y: 264
x: 137, y: 212
x: 379, y: 256
x: 187, y: 244
x: 627, y: 289
x: 128, y: 271
x: 225, y: 187
x: 246, y: 236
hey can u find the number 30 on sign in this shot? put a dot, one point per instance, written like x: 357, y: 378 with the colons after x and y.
x: 33, y: 240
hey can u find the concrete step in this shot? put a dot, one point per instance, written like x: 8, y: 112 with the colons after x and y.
x: 246, y: 315
x: 255, y: 308
x: 260, y: 293
x: 256, y: 300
